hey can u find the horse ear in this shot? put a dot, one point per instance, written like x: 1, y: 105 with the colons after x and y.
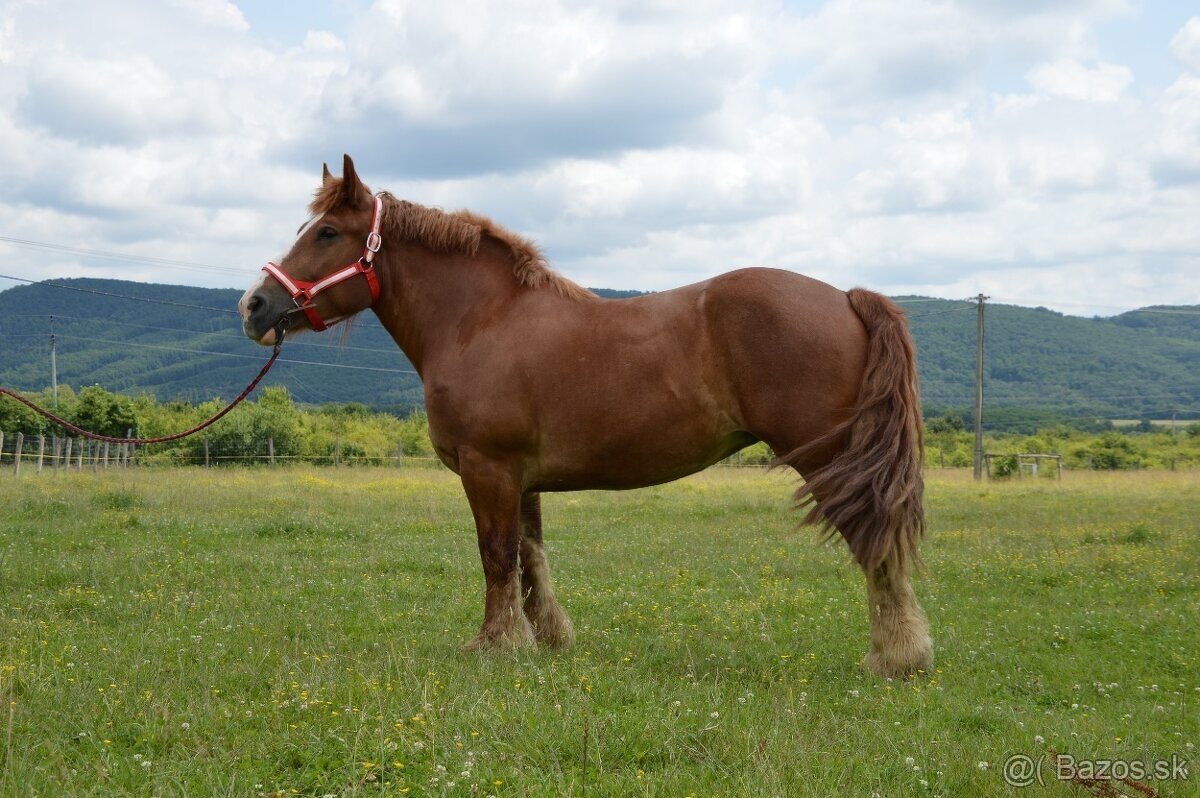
x: 326, y: 175
x: 353, y: 190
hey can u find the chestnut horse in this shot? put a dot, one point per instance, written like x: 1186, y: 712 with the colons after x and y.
x: 535, y: 384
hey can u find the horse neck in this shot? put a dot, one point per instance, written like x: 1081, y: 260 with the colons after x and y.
x: 429, y: 300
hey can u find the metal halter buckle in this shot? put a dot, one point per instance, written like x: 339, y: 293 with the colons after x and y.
x: 303, y: 292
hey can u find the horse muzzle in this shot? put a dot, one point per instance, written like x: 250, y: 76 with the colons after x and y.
x: 264, y: 312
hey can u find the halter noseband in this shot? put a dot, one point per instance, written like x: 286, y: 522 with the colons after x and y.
x: 303, y: 292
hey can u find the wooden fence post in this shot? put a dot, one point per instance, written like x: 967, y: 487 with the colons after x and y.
x: 41, y: 452
x: 400, y: 454
x: 207, y: 462
x: 1, y: 445
x: 271, y: 451
x: 66, y: 461
x: 337, y: 450
x: 81, y: 453
x: 17, y: 453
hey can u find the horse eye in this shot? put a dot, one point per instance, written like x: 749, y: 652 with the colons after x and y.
x: 326, y: 233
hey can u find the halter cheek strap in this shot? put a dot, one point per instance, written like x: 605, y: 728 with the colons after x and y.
x: 304, y: 293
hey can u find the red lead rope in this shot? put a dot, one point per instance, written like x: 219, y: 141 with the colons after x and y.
x: 62, y: 422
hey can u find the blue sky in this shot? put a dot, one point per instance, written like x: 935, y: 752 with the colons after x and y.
x: 1045, y: 153
x: 288, y: 23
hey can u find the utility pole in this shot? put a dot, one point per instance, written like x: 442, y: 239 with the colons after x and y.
x: 980, y: 300
x: 53, y: 366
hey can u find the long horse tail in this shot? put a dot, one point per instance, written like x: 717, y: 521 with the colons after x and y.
x: 871, y: 491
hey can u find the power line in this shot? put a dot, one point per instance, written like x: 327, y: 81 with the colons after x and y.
x: 193, y: 265
x: 1076, y: 397
x: 250, y: 357
x: 117, y: 296
x: 117, y: 256
x: 1164, y: 311
x: 940, y: 312
x: 1124, y: 311
x: 324, y: 397
x: 1187, y: 397
x: 1042, y: 424
x: 358, y: 321
x: 221, y: 333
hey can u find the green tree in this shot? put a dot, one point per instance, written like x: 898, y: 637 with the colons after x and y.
x: 414, y: 435
x: 16, y: 417
x: 1112, y: 450
x: 948, y: 423
x: 97, y: 410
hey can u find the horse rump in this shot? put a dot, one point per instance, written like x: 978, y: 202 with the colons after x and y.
x: 871, y: 491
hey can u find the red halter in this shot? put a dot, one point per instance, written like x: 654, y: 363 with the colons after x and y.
x: 304, y: 292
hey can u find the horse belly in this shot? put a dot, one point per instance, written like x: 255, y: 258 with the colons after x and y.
x: 632, y: 433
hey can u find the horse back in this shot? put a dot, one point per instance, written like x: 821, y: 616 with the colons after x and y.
x: 616, y: 393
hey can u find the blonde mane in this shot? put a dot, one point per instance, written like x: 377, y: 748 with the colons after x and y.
x: 458, y: 232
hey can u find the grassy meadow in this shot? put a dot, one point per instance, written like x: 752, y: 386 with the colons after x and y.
x: 279, y: 632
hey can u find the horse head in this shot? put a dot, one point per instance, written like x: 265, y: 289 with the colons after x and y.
x: 328, y: 274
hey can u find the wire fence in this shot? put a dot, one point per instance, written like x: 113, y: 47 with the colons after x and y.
x: 23, y: 455
x: 20, y: 454
x: 47, y: 453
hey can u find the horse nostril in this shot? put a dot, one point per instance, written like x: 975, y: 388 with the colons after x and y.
x: 254, y: 303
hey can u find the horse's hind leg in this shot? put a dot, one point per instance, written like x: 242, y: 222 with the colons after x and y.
x: 551, y: 625
x: 495, y: 497
x: 900, y: 643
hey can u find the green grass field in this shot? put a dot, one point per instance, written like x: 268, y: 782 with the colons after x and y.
x: 295, y: 632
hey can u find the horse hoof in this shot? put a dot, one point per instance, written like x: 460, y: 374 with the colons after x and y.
x: 510, y: 640
x: 900, y: 665
x: 551, y: 626
x: 559, y: 634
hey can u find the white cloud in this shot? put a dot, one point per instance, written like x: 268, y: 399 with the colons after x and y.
x: 872, y: 50
x: 215, y: 13
x: 1176, y: 161
x: 941, y: 147
x: 1185, y: 45
x: 453, y: 90
x: 126, y: 100
x: 1069, y: 79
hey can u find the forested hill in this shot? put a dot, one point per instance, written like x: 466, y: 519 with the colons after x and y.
x: 187, y: 345
x: 179, y: 342
x: 1140, y: 364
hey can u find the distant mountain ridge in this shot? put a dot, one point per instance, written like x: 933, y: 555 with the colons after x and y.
x: 1144, y: 363
x: 182, y: 342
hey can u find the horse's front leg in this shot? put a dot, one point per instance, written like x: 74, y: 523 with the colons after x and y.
x: 495, y: 496
x: 550, y: 624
